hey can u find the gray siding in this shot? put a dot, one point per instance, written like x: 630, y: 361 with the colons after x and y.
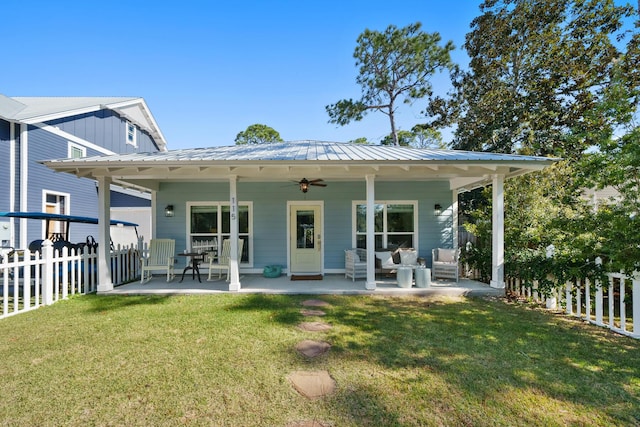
x: 5, y: 151
x: 83, y: 197
x: 270, y: 214
x: 106, y: 129
x: 121, y: 200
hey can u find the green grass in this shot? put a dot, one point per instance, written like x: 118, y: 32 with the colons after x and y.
x: 224, y: 360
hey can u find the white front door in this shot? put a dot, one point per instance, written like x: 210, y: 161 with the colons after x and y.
x: 305, y: 238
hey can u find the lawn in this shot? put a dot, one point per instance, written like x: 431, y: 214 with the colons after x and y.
x: 224, y: 360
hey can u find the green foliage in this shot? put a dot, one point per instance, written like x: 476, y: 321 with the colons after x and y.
x: 538, y: 71
x: 548, y: 78
x: 258, y: 134
x: 394, y: 65
x: 361, y: 140
x: 418, y: 137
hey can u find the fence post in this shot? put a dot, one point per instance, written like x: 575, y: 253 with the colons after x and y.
x: 611, y: 310
x: 636, y: 304
x: 599, y: 297
x: 552, y: 301
x: 47, y: 272
x: 568, y: 298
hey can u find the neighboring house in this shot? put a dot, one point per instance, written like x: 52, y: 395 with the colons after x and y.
x: 375, y: 197
x: 37, y: 128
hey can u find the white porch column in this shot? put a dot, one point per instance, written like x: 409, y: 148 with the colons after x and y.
x: 24, y: 182
x: 104, y: 234
x: 497, y: 249
x: 454, y: 219
x: 371, y: 240
x: 234, y: 270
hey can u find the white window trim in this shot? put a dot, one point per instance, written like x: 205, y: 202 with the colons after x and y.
x: 71, y: 146
x: 220, y: 205
x: 415, y: 232
x: 135, y: 133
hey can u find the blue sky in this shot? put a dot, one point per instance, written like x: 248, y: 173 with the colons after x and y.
x: 208, y: 69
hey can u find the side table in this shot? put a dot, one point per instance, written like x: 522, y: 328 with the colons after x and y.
x: 405, y: 276
x: 194, y: 262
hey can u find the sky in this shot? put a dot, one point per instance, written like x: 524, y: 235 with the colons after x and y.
x: 209, y: 69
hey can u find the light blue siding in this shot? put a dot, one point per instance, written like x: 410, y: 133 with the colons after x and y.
x: 270, y: 214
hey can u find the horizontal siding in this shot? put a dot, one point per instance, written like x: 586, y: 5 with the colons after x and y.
x: 270, y: 214
x: 5, y: 152
x: 106, y: 129
x: 120, y: 200
x: 83, y: 198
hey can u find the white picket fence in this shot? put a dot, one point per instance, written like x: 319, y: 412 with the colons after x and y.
x: 30, y: 280
x: 614, y: 304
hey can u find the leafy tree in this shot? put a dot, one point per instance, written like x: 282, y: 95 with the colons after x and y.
x: 394, y: 65
x: 403, y: 138
x: 616, y: 162
x: 418, y: 137
x: 361, y: 140
x: 426, y: 137
x: 546, y: 78
x: 538, y: 70
x: 258, y: 134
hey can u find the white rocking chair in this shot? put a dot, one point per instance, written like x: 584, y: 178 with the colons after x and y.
x: 223, y: 259
x: 161, y: 257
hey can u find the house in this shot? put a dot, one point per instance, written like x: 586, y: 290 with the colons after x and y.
x: 37, y: 128
x: 375, y: 196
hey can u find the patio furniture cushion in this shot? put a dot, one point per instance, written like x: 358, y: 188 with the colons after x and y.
x: 446, y: 255
x: 386, y: 259
x: 408, y: 257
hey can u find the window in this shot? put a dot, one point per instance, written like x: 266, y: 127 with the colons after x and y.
x: 56, y: 203
x: 131, y: 134
x: 212, y: 222
x: 76, y: 151
x: 395, y: 224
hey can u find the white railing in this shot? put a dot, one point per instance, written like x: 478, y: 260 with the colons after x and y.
x: 29, y: 280
x: 614, y: 304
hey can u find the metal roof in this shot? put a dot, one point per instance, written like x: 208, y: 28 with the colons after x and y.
x: 34, y: 110
x: 307, y: 151
x: 36, y: 106
x: 297, y: 159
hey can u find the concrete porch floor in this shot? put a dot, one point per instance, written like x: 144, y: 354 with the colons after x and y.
x: 331, y: 284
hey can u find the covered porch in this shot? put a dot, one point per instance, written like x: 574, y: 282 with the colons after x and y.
x: 332, y: 284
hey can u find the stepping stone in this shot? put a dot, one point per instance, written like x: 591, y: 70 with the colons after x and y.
x: 312, y: 384
x: 312, y: 348
x: 314, y: 326
x: 306, y: 312
x: 315, y: 303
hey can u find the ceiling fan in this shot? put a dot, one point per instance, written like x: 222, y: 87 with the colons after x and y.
x: 304, y: 184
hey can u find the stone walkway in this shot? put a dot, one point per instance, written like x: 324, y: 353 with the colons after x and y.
x: 313, y: 384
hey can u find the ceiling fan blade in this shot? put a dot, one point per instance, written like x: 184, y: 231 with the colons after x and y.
x: 316, y: 180
x: 318, y: 184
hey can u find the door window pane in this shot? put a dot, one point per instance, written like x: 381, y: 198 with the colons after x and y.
x: 304, y: 229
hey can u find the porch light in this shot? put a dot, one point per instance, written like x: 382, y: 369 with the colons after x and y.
x: 168, y: 211
x: 437, y: 209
